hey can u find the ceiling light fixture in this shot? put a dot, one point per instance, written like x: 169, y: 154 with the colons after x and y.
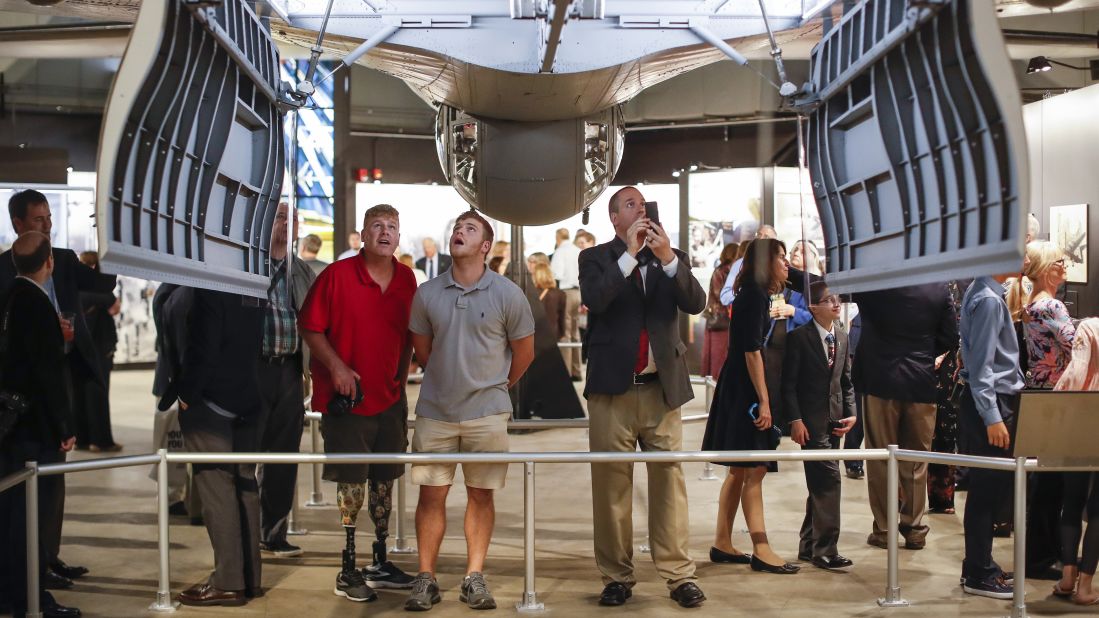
x: 1041, y: 64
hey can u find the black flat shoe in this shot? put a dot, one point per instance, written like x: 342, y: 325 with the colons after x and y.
x: 614, y: 594
x: 688, y: 595
x: 722, y: 557
x: 763, y: 567
x: 832, y: 563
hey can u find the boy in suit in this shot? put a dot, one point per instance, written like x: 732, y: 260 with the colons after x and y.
x: 820, y: 403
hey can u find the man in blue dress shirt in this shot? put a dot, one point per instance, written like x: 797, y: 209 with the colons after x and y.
x: 990, y: 405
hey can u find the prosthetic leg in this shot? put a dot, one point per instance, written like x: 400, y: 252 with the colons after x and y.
x: 383, y: 573
x: 350, y: 582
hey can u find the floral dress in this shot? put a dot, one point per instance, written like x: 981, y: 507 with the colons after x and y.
x: 1049, y: 334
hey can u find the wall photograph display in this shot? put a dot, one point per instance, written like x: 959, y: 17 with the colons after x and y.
x: 1068, y: 229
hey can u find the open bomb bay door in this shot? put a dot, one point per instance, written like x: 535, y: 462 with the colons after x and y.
x: 915, y: 145
x: 191, y: 154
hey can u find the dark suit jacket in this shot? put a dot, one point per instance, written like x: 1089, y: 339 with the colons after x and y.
x: 811, y: 391
x: 616, y: 312
x: 35, y: 367
x: 903, y: 331
x: 70, y: 278
x: 444, y: 264
x: 224, y: 337
x: 171, y: 310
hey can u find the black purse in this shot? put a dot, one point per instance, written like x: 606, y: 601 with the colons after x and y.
x: 12, y: 405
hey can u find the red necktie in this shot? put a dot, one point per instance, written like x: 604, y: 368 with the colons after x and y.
x: 643, y: 340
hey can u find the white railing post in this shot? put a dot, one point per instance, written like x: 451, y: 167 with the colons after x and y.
x: 317, y: 497
x: 34, y: 609
x: 163, y: 601
x: 400, y: 543
x: 1018, y: 609
x: 892, y: 496
x: 530, y: 597
x: 292, y: 528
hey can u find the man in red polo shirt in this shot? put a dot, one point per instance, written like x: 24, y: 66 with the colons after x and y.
x: 355, y: 322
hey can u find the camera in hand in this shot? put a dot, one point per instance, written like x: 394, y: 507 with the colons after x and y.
x: 835, y: 424
x: 341, y: 405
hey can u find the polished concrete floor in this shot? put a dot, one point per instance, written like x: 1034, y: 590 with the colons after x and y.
x: 110, y: 526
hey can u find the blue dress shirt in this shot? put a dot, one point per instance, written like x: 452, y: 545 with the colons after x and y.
x: 990, y: 351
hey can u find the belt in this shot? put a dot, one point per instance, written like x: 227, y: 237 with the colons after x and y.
x: 278, y: 360
x: 645, y: 378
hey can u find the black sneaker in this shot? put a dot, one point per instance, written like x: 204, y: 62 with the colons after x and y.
x: 387, y: 575
x: 995, y: 588
x: 351, y: 585
x: 280, y: 549
x: 425, y: 593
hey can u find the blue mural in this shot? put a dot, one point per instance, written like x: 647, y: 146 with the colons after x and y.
x: 316, y: 150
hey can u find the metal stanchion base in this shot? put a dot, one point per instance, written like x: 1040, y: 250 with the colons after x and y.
x: 893, y: 603
x: 402, y: 548
x: 297, y: 531
x: 1018, y: 612
x: 708, y: 474
x: 644, y: 548
x: 164, y: 604
x: 317, y: 501
x: 530, y: 605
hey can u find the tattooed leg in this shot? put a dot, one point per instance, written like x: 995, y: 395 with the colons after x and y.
x: 380, y: 505
x: 350, y: 497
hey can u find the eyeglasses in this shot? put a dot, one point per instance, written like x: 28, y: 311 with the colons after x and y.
x: 1061, y: 262
x: 829, y: 300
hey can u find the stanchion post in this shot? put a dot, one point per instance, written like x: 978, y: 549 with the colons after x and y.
x: 317, y: 497
x: 164, y: 601
x: 530, y: 597
x: 1018, y: 608
x: 892, y: 496
x: 707, y: 473
x: 292, y: 528
x: 34, y: 609
x: 400, y: 543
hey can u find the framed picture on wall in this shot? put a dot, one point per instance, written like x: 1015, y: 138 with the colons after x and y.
x: 1068, y: 229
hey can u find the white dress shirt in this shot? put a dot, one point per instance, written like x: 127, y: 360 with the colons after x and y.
x: 824, y: 337
x: 566, y: 266
x: 626, y: 264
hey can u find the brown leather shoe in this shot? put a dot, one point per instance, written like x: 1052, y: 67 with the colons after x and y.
x: 206, y: 594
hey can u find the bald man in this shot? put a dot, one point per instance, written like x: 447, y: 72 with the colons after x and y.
x: 34, y: 367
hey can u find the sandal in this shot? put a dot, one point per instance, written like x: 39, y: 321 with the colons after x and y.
x: 1076, y: 600
x: 1061, y: 592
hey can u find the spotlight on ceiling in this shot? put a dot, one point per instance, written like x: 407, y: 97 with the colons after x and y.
x: 1038, y: 64
x: 676, y: 173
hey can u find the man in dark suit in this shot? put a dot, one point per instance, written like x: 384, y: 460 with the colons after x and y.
x: 903, y: 331
x: 433, y: 263
x: 34, y: 367
x: 635, y: 286
x: 820, y: 402
x: 219, y: 405
x: 30, y: 211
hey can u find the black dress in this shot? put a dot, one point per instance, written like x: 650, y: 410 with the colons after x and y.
x: 729, y: 428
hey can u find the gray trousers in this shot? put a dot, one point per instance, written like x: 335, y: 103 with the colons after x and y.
x: 820, y: 530
x: 572, y: 332
x: 230, y: 498
x: 280, y: 423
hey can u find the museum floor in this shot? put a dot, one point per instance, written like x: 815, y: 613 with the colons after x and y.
x: 111, y: 528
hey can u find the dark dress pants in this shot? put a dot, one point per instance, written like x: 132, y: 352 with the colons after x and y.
x: 986, y: 487
x: 820, y: 530
x: 281, y: 418
x: 230, y: 498
x: 13, y: 518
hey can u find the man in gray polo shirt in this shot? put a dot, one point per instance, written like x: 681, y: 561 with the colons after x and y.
x: 473, y: 332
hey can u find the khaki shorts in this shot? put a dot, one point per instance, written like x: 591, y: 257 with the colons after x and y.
x: 488, y: 434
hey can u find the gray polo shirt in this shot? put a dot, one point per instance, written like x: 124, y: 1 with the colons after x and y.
x: 467, y: 375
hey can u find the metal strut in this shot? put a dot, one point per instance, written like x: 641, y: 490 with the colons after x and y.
x: 787, y: 88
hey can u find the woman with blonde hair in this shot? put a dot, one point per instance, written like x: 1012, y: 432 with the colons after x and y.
x: 1046, y: 321
x: 1081, y: 488
x: 553, y: 300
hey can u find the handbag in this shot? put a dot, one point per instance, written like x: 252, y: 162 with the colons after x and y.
x: 717, y: 319
x: 773, y: 435
x: 12, y: 405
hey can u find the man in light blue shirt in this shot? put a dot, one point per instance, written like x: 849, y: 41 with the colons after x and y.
x: 990, y: 404
x: 727, y: 294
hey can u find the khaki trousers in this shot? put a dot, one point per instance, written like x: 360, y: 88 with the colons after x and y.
x: 910, y: 426
x: 619, y: 423
x: 572, y: 332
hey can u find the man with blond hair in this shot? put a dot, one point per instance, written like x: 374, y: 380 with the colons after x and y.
x: 355, y: 322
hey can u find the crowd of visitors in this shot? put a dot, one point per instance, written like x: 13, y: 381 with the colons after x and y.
x: 928, y: 367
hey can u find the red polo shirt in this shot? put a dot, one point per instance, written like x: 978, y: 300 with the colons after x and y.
x: 367, y: 328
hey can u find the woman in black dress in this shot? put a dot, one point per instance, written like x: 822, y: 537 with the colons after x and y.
x: 741, y: 386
